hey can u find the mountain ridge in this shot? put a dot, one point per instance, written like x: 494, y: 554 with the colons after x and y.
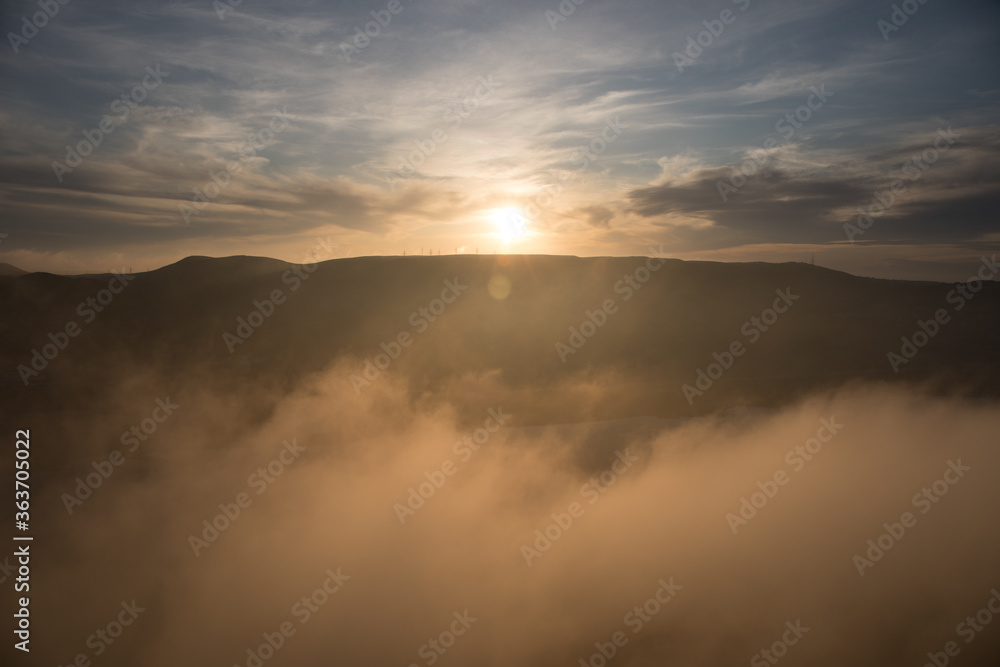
x: 508, y: 322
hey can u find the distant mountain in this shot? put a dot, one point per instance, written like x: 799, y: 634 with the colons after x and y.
x: 535, y: 325
x: 10, y: 270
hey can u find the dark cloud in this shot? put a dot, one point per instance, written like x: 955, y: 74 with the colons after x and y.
x: 598, y: 216
x: 949, y: 195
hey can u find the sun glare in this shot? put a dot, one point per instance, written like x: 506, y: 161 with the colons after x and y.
x: 511, y: 224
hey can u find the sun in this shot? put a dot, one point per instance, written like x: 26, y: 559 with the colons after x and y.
x: 511, y: 224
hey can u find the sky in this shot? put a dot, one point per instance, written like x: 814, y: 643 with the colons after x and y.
x: 860, y: 133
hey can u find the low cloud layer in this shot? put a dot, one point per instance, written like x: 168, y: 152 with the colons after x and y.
x: 631, y: 514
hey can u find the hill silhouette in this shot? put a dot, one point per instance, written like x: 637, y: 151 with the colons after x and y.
x: 10, y: 270
x: 184, y: 320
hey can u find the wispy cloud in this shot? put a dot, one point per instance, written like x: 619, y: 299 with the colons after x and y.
x: 354, y: 120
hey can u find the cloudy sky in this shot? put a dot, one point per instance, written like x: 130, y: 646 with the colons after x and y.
x: 138, y: 133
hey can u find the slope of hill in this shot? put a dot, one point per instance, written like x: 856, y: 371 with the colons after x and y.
x: 10, y: 270
x: 734, y: 334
